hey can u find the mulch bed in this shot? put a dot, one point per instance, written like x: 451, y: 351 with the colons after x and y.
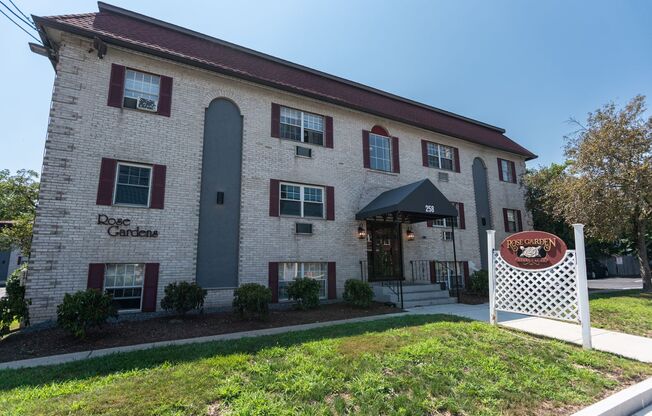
x: 20, y: 346
x: 472, y: 299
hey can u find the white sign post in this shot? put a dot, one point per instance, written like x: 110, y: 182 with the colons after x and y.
x: 559, y: 291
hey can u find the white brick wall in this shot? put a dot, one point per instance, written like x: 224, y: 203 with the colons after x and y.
x: 83, y: 129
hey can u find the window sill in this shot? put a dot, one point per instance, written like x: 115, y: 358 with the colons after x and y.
x: 130, y: 206
x: 300, y: 143
x: 294, y: 217
x: 138, y: 110
x: 441, y: 170
x: 382, y: 172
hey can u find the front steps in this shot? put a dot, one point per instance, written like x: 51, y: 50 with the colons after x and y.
x: 414, y: 295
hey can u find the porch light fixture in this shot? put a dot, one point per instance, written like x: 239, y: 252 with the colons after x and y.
x: 362, y: 233
x: 410, y: 234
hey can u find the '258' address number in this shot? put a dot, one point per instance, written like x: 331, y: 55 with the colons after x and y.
x: 430, y: 208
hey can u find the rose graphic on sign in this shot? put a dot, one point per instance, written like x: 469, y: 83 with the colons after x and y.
x: 533, y: 250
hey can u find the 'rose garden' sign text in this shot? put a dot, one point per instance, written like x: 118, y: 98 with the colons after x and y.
x: 533, y: 250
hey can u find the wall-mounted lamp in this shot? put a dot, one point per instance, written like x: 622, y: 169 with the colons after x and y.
x: 409, y: 234
x: 362, y: 233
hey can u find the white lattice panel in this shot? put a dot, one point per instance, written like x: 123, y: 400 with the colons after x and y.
x: 549, y: 293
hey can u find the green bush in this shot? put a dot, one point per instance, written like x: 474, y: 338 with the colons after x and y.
x: 358, y: 293
x: 14, y: 306
x: 480, y: 283
x: 252, y: 299
x: 182, y: 297
x: 305, y: 292
x: 84, y: 310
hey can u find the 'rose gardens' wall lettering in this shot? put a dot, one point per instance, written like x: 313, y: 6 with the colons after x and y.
x: 119, y: 227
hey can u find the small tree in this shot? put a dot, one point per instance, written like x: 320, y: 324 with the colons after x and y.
x: 608, y: 182
x: 18, y: 196
x: 14, y: 306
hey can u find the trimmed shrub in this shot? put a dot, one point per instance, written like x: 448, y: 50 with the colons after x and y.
x: 480, y: 283
x: 84, y: 310
x: 305, y: 292
x: 183, y: 297
x: 252, y: 300
x: 14, y: 306
x: 358, y: 293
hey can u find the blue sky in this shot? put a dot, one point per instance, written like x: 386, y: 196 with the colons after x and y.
x: 525, y: 66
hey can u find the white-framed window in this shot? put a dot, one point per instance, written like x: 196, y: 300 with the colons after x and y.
x: 301, y: 126
x: 448, y: 222
x: 124, y: 282
x: 440, y: 156
x: 140, y: 85
x: 380, y: 152
x: 511, y: 220
x: 289, y: 271
x: 301, y: 200
x: 447, y: 235
x: 506, y: 169
x: 132, y: 184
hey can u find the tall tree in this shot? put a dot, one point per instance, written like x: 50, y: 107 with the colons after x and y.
x: 608, y: 182
x: 18, y: 197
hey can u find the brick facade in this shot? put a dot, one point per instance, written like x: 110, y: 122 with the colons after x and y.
x: 83, y: 129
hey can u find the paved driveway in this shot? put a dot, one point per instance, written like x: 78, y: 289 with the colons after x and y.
x: 616, y: 283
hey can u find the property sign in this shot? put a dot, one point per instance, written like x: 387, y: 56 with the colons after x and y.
x: 533, y: 250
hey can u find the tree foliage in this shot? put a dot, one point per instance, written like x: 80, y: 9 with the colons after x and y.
x: 607, y: 183
x: 18, y: 196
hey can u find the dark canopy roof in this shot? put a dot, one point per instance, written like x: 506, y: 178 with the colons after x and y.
x: 409, y: 203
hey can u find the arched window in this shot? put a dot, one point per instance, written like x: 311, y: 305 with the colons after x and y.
x: 380, y: 150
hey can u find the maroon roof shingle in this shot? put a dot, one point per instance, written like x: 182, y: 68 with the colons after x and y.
x: 124, y: 28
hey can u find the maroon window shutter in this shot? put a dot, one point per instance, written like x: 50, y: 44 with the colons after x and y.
x: 365, y: 148
x: 273, y: 197
x: 433, y: 272
x: 165, y: 97
x: 330, y: 203
x: 505, y: 219
x: 96, y: 276
x: 116, y: 86
x: 158, y: 187
x: 396, y: 166
x: 150, y: 287
x: 424, y: 153
x: 276, y: 120
x: 465, y: 270
x: 332, y: 279
x: 512, y: 166
x: 429, y: 223
x: 500, y: 169
x: 273, y: 280
x: 107, y: 182
x: 456, y: 159
x: 460, y: 209
x: 329, y: 132
x: 519, y: 220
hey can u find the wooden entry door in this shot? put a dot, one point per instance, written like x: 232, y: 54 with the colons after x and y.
x: 384, y: 251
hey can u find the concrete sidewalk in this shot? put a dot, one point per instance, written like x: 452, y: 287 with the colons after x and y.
x: 630, y: 346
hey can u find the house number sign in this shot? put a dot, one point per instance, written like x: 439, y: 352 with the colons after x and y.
x: 121, y: 227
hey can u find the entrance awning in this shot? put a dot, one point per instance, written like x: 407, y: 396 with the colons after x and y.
x: 416, y: 202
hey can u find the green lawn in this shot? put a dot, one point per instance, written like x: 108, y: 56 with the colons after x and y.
x: 412, y: 365
x: 628, y: 311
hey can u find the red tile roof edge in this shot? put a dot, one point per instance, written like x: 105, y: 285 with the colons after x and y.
x: 281, y: 73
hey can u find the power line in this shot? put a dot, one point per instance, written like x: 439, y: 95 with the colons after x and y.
x: 27, y: 22
x: 21, y: 12
x: 19, y: 26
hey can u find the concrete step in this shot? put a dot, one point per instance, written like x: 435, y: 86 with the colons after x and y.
x: 420, y: 288
x: 433, y: 294
x: 428, y: 302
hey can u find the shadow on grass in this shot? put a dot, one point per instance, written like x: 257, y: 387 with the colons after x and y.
x: 144, y: 359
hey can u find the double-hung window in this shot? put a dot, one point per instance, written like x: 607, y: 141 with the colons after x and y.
x: 440, y: 156
x: 132, y: 185
x: 380, y: 152
x: 141, y: 85
x: 511, y: 221
x: 124, y: 282
x: 301, y: 200
x: 507, y: 170
x: 301, y: 126
x: 448, y: 222
x: 288, y: 272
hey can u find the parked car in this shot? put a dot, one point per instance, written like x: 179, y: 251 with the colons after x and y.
x: 595, y: 269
